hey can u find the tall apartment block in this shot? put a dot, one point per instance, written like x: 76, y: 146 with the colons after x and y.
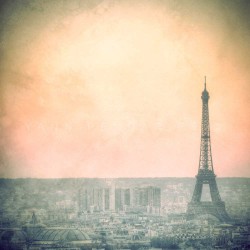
x: 119, y: 199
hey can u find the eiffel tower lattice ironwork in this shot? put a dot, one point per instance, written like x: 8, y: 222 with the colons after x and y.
x: 216, y: 206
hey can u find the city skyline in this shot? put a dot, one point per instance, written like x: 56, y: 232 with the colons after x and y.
x: 117, y: 214
x: 109, y: 89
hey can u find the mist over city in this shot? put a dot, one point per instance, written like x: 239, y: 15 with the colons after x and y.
x: 124, y: 213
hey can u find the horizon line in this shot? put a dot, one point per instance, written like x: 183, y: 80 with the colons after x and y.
x: 173, y: 177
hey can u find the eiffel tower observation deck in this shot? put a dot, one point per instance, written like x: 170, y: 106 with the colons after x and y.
x: 215, y: 207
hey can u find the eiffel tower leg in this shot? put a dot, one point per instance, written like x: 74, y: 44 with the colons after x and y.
x: 197, y: 191
x: 214, y: 192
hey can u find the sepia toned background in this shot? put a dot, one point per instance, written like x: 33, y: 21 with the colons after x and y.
x: 112, y: 88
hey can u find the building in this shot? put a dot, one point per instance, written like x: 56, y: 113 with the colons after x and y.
x: 147, y: 199
x: 94, y: 199
x: 36, y: 236
x: 122, y: 199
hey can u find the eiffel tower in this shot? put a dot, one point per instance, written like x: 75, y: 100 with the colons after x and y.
x: 215, y: 207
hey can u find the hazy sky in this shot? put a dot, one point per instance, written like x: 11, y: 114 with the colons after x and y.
x: 113, y: 88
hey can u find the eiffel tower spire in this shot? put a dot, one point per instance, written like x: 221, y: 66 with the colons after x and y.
x: 206, y: 173
x: 205, y: 147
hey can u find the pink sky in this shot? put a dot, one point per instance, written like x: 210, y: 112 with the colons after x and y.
x: 112, y: 88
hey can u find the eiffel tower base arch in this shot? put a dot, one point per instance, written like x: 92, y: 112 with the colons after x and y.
x: 216, y: 209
